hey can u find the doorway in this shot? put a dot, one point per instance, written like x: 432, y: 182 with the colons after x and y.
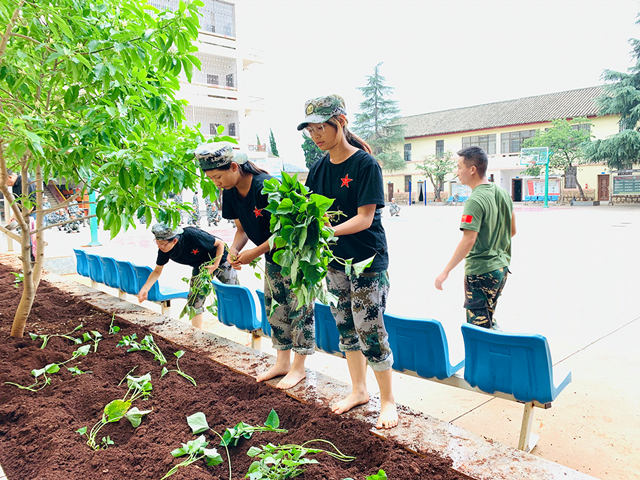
x: 603, y: 188
x: 516, y: 189
x: 389, y: 191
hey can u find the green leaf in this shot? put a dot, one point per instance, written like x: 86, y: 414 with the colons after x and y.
x: 359, y: 267
x: 82, y: 430
x: 52, y: 368
x: 198, y: 423
x: 115, y: 410
x: 212, y: 457
x: 135, y: 416
x: 381, y: 475
x: 273, y: 420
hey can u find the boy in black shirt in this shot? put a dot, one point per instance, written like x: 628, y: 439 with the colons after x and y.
x: 194, y: 247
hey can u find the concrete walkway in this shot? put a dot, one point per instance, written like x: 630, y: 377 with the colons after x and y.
x: 574, y: 280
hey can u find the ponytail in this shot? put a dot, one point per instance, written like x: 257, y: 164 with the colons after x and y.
x: 351, y: 137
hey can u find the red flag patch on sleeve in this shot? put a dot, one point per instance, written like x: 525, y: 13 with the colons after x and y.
x: 466, y: 219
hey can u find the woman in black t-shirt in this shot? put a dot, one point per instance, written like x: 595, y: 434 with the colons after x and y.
x: 352, y: 177
x: 244, y: 202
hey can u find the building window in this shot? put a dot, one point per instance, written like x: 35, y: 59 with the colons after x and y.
x: 407, y: 183
x: 212, y: 79
x: 439, y: 148
x: 213, y: 128
x: 222, y: 18
x: 232, y: 129
x: 407, y: 152
x: 512, y: 141
x: 230, y: 81
x: 485, y: 142
x: 585, y: 126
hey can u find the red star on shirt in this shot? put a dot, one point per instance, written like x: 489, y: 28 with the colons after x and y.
x: 346, y: 180
x: 195, y: 251
x: 258, y: 212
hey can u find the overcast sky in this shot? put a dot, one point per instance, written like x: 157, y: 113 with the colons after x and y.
x: 436, y: 54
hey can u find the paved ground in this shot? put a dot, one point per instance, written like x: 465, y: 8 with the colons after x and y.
x: 575, y: 272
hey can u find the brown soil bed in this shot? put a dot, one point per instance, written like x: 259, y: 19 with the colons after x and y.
x: 37, y: 430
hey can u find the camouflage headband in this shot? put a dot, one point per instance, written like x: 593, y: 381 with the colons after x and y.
x: 218, y: 154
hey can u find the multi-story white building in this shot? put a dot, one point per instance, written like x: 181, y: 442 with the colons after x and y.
x: 218, y: 94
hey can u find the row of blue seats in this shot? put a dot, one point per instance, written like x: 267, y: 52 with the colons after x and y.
x: 540, y: 198
x: 125, y: 277
x: 513, y: 366
x: 460, y: 199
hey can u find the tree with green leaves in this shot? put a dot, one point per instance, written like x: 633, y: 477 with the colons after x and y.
x: 311, y: 151
x: 622, y: 97
x: 566, y: 140
x: 377, y: 122
x: 436, y: 168
x: 272, y: 144
x: 87, y: 93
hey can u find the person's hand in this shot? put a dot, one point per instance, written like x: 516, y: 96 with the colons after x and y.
x: 142, y: 295
x: 243, y: 258
x: 214, y: 267
x: 440, y: 280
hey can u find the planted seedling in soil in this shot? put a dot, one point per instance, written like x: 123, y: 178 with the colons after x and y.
x: 302, y: 236
x: 165, y: 370
x: 147, y: 344
x: 284, y: 461
x: 97, y: 336
x: 42, y: 380
x: 45, y: 337
x: 196, y: 450
x: 381, y: 475
x: 113, y: 329
x: 139, y: 387
x: 19, y: 278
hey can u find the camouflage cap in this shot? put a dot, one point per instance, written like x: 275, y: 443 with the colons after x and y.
x: 217, y: 154
x: 162, y: 231
x: 321, y: 109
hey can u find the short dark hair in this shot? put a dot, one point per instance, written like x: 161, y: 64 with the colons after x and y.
x: 475, y: 157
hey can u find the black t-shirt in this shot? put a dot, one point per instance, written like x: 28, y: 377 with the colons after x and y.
x: 250, y: 210
x: 354, y: 183
x: 17, y: 189
x: 194, y: 248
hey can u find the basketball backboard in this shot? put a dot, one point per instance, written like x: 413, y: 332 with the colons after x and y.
x: 534, y: 156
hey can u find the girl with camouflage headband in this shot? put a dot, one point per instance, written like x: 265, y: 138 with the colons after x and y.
x: 349, y: 174
x: 244, y: 202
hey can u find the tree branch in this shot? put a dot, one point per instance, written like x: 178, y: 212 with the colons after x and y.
x: 7, y: 33
x: 31, y: 40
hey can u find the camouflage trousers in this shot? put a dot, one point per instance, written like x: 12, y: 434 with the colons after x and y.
x: 481, y: 294
x: 225, y: 273
x: 359, y: 315
x: 291, y: 328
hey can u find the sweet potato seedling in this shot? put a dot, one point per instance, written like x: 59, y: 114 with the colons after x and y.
x: 196, y: 450
x: 45, y: 337
x: 147, y: 344
x: 42, y: 380
x: 97, y: 336
x: 114, y: 411
x: 165, y: 370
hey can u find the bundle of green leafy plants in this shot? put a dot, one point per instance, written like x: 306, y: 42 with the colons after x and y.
x: 302, y: 235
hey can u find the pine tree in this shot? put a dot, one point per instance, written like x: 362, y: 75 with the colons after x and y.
x: 376, y: 124
x: 311, y: 152
x: 622, y: 150
x: 272, y: 142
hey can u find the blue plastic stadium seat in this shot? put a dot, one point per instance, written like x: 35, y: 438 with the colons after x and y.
x: 450, y: 199
x: 327, y: 336
x: 82, y: 264
x: 236, y: 307
x: 553, y: 198
x: 264, y: 320
x: 95, y: 268
x: 157, y: 292
x: 128, y: 277
x: 528, y: 198
x: 111, y: 274
x: 420, y: 346
x: 516, y: 364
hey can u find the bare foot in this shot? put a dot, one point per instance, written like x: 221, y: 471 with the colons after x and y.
x: 275, y: 371
x: 353, y: 399
x: 388, y: 415
x: 292, y: 378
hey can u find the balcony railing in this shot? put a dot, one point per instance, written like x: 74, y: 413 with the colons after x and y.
x: 257, y: 148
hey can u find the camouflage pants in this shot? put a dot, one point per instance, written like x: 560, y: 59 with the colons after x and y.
x: 225, y: 273
x: 359, y: 315
x: 481, y: 294
x: 291, y: 328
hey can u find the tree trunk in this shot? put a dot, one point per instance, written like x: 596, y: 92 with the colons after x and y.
x: 582, y: 196
x: 28, y: 291
x: 37, y: 268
